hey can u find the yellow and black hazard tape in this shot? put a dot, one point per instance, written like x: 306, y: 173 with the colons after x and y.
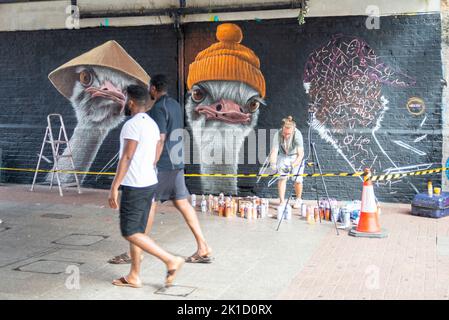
x: 395, y: 176
x: 59, y: 171
x: 383, y: 177
x: 255, y: 175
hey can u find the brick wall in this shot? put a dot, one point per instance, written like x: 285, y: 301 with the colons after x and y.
x: 409, y: 44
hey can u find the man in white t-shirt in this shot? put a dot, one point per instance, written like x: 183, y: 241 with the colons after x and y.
x: 138, y: 180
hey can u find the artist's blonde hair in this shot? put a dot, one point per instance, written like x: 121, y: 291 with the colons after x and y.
x: 288, y: 122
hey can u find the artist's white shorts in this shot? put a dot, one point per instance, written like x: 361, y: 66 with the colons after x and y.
x: 284, y: 160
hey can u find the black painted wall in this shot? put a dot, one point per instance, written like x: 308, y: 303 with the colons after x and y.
x: 408, y: 43
x: 27, y: 96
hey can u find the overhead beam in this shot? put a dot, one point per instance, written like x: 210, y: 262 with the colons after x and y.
x: 182, y: 11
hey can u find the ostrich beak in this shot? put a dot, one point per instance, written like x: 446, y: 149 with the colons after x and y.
x: 224, y: 110
x: 108, y: 91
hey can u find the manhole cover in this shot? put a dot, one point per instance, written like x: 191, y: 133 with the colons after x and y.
x: 48, y: 266
x: 4, y: 228
x: 56, y: 216
x: 80, y: 240
x: 178, y: 291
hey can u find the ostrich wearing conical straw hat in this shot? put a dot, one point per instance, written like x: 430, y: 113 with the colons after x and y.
x: 226, y: 88
x: 95, y: 83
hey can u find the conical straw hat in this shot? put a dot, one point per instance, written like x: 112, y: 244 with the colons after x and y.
x: 109, y: 54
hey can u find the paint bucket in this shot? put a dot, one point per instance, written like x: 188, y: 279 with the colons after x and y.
x: 287, y: 214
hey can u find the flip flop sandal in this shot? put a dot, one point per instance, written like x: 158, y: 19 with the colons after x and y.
x: 171, y: 275
x: 196, y: 258
x: 123, y: 282
x: 123, y: 258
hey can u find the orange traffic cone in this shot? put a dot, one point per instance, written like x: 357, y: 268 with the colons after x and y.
x: 369, y: 219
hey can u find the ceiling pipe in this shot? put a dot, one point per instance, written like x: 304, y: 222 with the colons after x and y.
x: 180, y: 47
x: 182, y: 10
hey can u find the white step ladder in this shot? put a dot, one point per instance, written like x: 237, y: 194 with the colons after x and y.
x: 62, y: 139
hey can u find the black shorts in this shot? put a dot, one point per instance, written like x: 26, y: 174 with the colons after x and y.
x: 171, y: 185
x: 135, y: 205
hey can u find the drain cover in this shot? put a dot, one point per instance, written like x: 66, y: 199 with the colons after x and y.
x: 56, y: 216
x: 178, y: 291
x: 48, y: 266
x: 4, y: 228
x: 80, y: 239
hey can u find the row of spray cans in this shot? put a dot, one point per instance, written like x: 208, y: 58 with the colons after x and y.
x: 329, y: 210
x: 249, y: 208
x: 253, y: 208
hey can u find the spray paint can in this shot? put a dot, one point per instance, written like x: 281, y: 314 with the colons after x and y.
x: 303, y: 210
x: 228, y: 210
x: 262, y: 208
x: 254, y: 209
x: 193, y: 200
x: 309, y: 216
x: 203, y: 204
x: 216, y: 204
x: 334, y: 214
x: 429, y: 188
x: 346, y: 217
x: 316, y: 214
x: 210, y: 203
x: 234, y: 207
x: 220, y: 209
x: 327, y: 213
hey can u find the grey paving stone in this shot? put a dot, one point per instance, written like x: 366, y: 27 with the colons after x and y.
x: 176, y: 291
x: 48, y: 266
x: 443, y: 246
x: 80, y: 240
x: 11, y: 255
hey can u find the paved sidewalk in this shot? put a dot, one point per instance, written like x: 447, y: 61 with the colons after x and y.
x: 38, y: 245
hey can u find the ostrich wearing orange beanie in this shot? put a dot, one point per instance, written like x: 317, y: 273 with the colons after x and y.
x: 226, y: 88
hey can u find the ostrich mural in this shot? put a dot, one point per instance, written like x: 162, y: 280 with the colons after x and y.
x: 226, y: 89
x: 95, y: 83
x: 344, y: 81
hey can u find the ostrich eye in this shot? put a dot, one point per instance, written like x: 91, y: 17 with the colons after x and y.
x: 198, y: 95
x: 86, y: 78
x: 253, y: 105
